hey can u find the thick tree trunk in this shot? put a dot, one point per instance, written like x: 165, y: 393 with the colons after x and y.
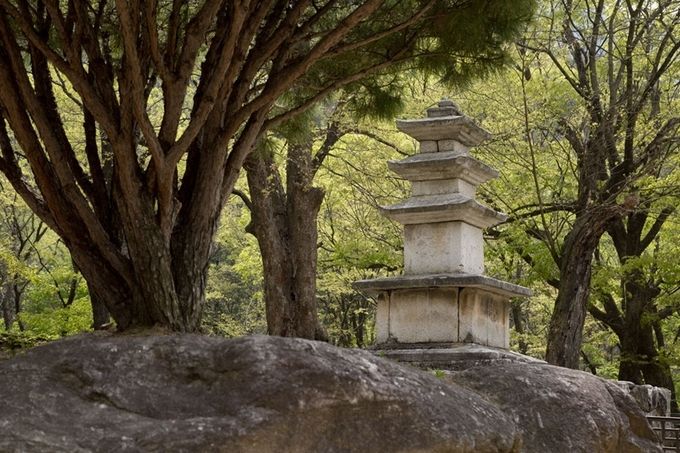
x: 636, y: 324
x: 636, y: 338
x: 566, y: 324
x: 565, y: 333
x: 640, y: 360
x: 100, y: 315
x: 284, y: 223
x: 150, y: 299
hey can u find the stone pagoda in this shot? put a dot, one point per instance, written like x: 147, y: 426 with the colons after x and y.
x: 443, y: 300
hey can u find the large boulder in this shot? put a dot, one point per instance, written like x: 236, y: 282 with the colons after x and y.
x: 563, y: 410
x: 265, y: 394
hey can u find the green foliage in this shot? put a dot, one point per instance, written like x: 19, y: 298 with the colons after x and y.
x: 529, y: 108
x: 356, y: 241
x: 37, y: 277
x: 14, y: 341
x: 53, y: 321
x: 378, y: 100
x: 440, y: 374
x: 234, y: 302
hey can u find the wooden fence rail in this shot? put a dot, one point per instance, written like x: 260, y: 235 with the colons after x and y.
x: 668, y: 430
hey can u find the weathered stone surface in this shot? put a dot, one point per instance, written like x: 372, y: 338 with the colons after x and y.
x: 483, y: 318
x: 256, y: 394
x: 451, y: 356
x: 443, y: 247
x: 443, y: 315
x: 264, y: 394
x: 562, y: 410
x: 444, y: 128
x: 652, y: 400
x: 448, y: 207
x: 442, y: 187
x: 423, y: 315
x: 442, y: 166
x: 442, y: 280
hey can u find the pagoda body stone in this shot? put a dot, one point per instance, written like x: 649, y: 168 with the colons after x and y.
x: 443, y: 296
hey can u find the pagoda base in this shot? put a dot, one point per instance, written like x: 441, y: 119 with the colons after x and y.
x: 440, y: 315
x: 452, y: 356
x: 445, y: 308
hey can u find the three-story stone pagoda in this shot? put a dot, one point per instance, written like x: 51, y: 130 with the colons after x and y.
x: 443, y: 298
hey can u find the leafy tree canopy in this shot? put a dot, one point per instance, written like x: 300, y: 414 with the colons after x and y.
x: 171, y: 97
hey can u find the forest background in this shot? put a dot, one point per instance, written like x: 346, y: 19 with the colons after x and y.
x: 585, y: 137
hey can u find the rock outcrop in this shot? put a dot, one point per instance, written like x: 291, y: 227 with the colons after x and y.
x: 562, y: 410
x: 655, y: 401
x: 264, y: 394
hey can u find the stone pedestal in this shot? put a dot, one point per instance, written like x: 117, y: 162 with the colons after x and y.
x: 443, y: 298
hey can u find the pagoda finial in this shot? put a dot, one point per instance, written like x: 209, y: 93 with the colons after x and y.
x: 445, y: 107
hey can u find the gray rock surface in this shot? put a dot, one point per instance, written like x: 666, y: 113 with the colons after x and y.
x: 562, y: 410
x: 655, y: 401
x: 451, y: 356
x: 264, y: 394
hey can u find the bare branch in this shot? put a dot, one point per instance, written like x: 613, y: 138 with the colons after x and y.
x: 244, y: 198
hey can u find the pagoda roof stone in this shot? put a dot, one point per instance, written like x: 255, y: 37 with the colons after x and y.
x: 457, y: 280
x: 443, y: 165
x: 455, y: 127
x: 450, y: 207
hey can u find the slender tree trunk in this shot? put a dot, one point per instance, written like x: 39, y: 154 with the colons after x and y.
x: 304, y: 202
x: 666, y: 379
x: 7, y: 306
x: 17, y: 295
x: 566, y: 324
x: 268, y: 225
x: 518, y: 320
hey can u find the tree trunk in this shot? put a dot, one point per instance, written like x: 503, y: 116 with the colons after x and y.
x: 637, y: 335
x: 18, y: 294
x: 566, y: 324
x: 565, y: 333
x: 518, y: 321
x: 640, y: 360
x: 304, y: 202
x: 637, y: 324
x: 284, y: 223
x: 7, y: 306
x: 100, y: 315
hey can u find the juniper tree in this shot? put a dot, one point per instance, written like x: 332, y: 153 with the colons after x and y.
x: 173, y: 96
